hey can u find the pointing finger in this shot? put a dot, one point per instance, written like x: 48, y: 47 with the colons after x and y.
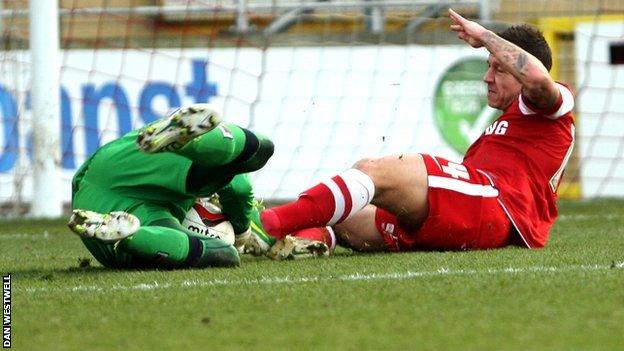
x: 455, y: 16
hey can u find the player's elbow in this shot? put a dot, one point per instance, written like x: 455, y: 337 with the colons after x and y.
x: 540, y: 89
x: 537, y: 78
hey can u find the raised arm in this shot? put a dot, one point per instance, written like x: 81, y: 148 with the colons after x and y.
x: 537, y: 84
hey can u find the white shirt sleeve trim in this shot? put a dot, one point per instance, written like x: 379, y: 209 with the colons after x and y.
x: 524, y: 108
x: 567, y: 103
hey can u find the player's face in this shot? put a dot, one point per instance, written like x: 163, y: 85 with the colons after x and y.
x: 503, y: 87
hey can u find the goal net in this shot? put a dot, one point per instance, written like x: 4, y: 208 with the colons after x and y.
x: 329, y: 82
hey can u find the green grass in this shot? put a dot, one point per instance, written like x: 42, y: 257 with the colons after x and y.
x: 568, y: 296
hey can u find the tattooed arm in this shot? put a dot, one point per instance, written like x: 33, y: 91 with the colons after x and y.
x: 537, y: 85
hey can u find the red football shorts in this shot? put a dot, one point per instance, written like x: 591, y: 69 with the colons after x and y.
x: 464, y: 213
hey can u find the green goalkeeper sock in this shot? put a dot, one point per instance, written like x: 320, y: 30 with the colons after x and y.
x: 163, y: 247
x: 211, y: 252
x: 157, y: 247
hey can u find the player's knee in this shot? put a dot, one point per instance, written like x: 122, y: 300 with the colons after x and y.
x: 370, y: 167
x: 347, y: 240
x: 366, y: 165
x: 257, y: 151
x: 265, y: 151
x: 355, y: 242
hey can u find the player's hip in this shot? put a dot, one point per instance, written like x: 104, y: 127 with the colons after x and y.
x: 464, y: 212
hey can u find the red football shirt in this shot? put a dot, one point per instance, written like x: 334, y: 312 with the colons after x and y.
x: 525, y: 152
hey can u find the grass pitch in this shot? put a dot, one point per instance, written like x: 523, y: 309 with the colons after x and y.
x: 568, y: 296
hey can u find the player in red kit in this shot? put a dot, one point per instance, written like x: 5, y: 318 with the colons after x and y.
x: 504, y: 191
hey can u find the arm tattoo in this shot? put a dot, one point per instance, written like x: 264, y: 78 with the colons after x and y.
x: 510, y: 55
x: 521, y: 61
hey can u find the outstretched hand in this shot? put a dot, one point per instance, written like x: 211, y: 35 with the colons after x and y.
x: 469, y: 31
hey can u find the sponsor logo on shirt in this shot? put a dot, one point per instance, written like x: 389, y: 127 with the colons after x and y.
x: 497, y: 128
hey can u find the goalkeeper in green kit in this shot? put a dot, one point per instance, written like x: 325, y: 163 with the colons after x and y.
x: 131, y: 195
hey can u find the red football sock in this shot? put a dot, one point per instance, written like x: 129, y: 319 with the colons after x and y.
x: 312, y: 209
x: 322, y: 234
x: 325, y: 204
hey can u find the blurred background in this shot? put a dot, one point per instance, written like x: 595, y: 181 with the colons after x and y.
x: 329, y: 81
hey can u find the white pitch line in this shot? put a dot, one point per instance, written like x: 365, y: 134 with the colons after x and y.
x: 583, y: 217
x: 154, y: 285
x: 44, y: 235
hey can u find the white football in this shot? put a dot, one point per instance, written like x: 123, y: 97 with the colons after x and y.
x: 207, y: 219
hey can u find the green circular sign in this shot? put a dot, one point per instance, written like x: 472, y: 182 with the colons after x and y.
x: 460, y: 103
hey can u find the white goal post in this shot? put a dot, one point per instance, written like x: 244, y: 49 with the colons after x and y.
x: 45, y: 100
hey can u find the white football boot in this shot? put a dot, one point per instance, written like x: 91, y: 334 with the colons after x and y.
x: 254, y: 245
x: 178, y: 128
x: 108, y: 228
x: 294, y: 248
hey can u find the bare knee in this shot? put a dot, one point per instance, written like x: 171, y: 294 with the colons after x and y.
x: 365, y: 165
x: 360, y: 233
x: 400, y: 185
x: 353, y: 241
x: 372, y: 168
